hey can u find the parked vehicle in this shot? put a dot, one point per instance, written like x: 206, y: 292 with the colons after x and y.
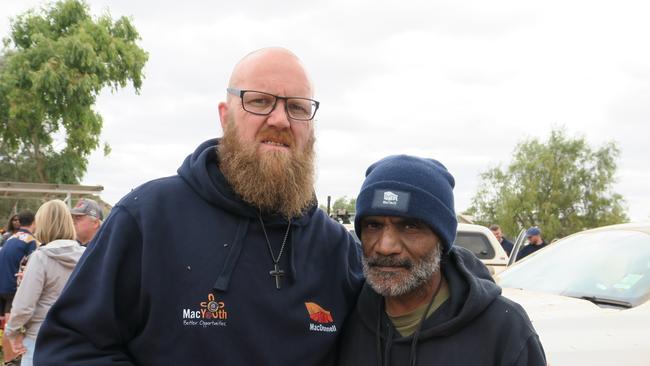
x: 480, y: 241
x: 588, y: 296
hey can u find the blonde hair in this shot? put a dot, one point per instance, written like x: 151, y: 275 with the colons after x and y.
x: 54, y: 221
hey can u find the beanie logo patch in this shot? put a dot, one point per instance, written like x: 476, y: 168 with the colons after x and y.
x: 396, y: 200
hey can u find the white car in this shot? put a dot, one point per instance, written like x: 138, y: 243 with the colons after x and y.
x: 588, y: 296
x: 485, y: 246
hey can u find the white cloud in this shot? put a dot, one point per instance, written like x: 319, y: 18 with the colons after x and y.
x: 462, y: 82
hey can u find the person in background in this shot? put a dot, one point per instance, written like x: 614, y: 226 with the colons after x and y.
x: 13, y: 253
x: 426, y: 301
x: 505, y: 243
x: 12, y: 227
x: 46, y: 273
x: 535, y: 242
x: 87, y: 216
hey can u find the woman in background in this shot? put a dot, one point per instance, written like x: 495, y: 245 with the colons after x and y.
x: 12, y: 227
x: 47, y: 272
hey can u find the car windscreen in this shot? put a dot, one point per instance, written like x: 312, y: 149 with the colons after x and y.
x: 603, y: 266
x: 476, y: 243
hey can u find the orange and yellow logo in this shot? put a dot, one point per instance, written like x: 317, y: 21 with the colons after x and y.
x: 211, y: 309
x: 318, y: 314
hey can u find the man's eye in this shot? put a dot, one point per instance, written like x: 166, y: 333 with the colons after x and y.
x: 411, y: 226
x: 259, y: 102
x: 372, y: 225
x: 297, y: 107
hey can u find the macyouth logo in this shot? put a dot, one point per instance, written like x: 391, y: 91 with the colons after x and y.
x: 211, y: 313
x: 321, y: 317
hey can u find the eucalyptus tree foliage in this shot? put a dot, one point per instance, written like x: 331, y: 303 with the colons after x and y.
x: 563, y: 185
x: 55, y: 63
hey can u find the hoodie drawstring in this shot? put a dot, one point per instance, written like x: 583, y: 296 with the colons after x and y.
x: 414, y: 350
x: 389, y: 344
x: 221, y: 284
x: 389, y: 339
x: 378, y: 334
x: 385, y: 359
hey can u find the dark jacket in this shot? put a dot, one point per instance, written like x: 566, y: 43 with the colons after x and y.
x: 530, y: 249
x: 179, y: 275
x: 507, y: 245
x: 476, y: 326
x: 16, y: 248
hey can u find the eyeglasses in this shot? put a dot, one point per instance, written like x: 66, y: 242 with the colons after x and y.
x: 262, y: 104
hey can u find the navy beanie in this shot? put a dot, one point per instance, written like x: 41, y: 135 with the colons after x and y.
x: 408, y: 186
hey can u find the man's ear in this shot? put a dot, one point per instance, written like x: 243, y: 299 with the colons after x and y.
x: 223, y: 115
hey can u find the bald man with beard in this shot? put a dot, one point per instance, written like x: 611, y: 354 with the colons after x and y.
x: 230, y: 262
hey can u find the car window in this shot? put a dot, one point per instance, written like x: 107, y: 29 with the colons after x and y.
x: 611, y: 265
x: 477, y: 243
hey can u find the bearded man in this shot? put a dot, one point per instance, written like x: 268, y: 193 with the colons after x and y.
x: 230, y: 262
x: 426, y: 302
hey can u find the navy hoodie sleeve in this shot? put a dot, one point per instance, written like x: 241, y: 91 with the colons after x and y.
x: 100, y: 308
x: 532, y: 353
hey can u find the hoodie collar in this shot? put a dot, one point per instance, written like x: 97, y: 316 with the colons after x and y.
x: 201, y: 172
x: 471, y: 287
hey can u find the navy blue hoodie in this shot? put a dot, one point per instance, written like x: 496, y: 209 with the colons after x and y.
x: 179, y: 275
x: 475, y: 326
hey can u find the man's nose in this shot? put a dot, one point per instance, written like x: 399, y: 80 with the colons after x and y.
x: 388, y: 243
x: 278, y: 117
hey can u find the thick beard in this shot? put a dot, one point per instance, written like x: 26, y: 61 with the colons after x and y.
x: 275, y: 182
x: 390, y: 284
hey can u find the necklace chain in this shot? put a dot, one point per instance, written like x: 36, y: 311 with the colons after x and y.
x: 268, y: 242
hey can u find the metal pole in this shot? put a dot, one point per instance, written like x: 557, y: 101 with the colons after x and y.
x: 329, y: 200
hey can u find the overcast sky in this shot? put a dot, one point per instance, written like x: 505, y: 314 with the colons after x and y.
x: 459, y: 81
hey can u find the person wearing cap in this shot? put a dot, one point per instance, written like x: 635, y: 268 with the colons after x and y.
x: 426, y: 301
x: 87, y: 217
x: 535, y: 242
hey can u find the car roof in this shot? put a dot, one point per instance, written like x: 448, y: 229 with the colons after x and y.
x: 633, y: 226
x: 472, y: 227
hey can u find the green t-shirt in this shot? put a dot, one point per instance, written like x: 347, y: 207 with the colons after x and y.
x: 407, y: 324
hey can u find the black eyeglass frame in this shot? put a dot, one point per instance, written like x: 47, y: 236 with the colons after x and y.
x: 240, y: 93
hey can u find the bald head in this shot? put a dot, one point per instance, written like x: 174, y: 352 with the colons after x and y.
x: 274, y: 70
x: 268, y: 158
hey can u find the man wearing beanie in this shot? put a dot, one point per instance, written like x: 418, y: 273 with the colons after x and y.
x: 425, y: 301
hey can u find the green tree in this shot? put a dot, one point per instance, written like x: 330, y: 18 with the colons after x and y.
x: 342, y: 203
x: 562, y: 185
x: 345, y: 203
x: 55, y: 63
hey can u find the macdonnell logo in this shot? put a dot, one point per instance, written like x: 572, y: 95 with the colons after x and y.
x: 390, y: 198
x: 211, y: 313
x: 320, y: 318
